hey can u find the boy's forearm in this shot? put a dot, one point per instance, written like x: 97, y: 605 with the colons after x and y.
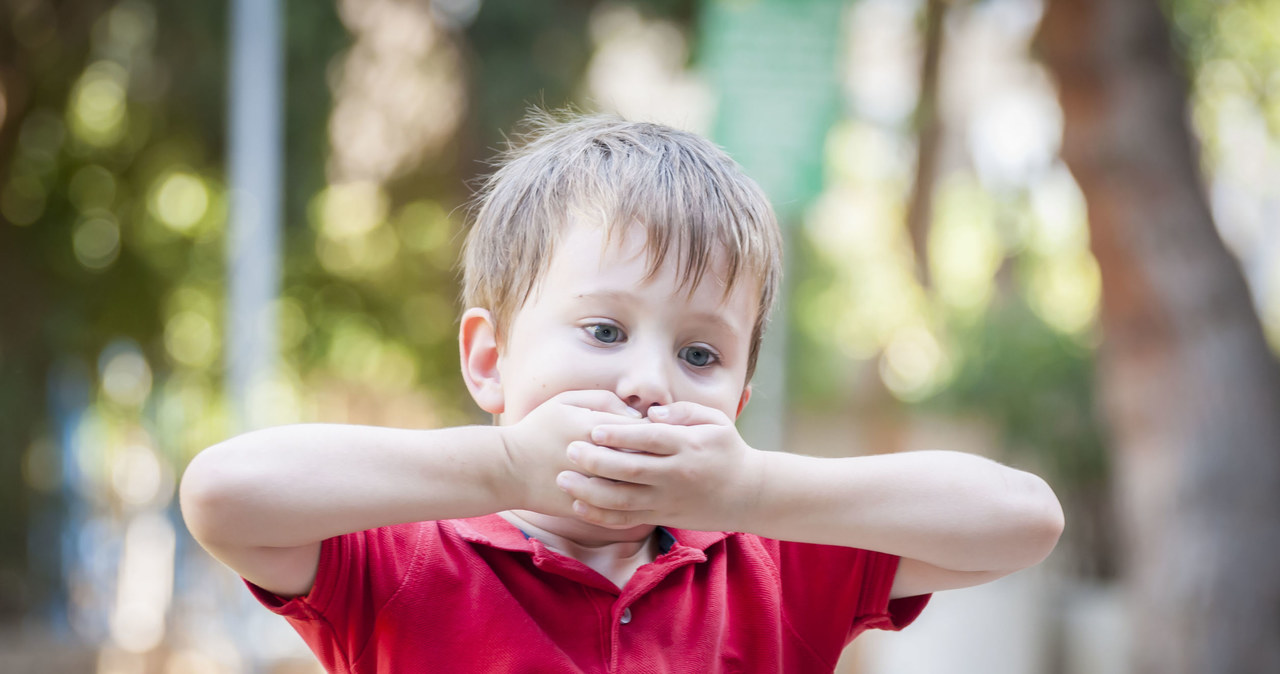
x: 952, y: 510
x: 293, y: 485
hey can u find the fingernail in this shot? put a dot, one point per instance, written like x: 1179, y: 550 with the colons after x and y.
x: 573, y: 453
x: 634, y: 412
x: 562, y: 481
x: 658, y: 412
x: 579, y: 507
x: 597, y: 435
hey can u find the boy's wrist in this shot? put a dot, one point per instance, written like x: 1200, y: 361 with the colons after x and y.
x: 768, y: 472
x: 507, y: 486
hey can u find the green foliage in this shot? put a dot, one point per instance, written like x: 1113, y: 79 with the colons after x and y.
x: 1035, y: 383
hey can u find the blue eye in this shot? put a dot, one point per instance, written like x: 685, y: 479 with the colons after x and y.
x: 697, y: 356
x: 605, y: 333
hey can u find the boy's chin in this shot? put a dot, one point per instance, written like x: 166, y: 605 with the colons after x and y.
x: 620, y: 532
x: 623, y: 532
x: 584, y: 532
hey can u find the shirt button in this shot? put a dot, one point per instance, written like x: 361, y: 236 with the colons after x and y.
x: 626, y: 616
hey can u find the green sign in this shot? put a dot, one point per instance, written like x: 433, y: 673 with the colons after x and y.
x: 773, y: 65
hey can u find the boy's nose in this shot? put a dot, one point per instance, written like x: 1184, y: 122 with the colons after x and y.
x: 645, y: 383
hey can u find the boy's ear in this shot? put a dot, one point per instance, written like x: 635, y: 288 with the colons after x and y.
x: 742, y: 402
x: 478, y: 344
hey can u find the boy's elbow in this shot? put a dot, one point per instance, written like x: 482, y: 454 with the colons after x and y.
x: 207, y: 491
x: 1041, y: 520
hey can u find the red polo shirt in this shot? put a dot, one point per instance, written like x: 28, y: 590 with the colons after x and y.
x: 476, y: 595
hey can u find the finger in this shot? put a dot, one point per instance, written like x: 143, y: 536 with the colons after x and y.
x: 612, y: 519
x: 614, y: 464
x: 600, y: 418
x: 598, y: 401
x: 604, y: 493
x: 660, y: 439
x: 685, y: 413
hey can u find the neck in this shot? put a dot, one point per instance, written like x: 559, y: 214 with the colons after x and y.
x: 614, y: 553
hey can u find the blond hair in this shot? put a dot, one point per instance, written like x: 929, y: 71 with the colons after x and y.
x: 692, y: 199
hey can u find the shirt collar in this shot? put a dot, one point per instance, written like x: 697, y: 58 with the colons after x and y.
x: 496, y: 532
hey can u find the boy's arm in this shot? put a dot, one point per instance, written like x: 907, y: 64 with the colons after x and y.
x: 955, y: 519
x: 262, y: 502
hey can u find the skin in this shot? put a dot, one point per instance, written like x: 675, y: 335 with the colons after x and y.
x: 595, y: 323
x: 616, y: 395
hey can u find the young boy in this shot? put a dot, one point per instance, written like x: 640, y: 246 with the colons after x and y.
x: 619, y: 277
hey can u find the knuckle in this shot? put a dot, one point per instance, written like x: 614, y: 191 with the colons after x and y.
x: 589, y: 460
x: 629, y: 472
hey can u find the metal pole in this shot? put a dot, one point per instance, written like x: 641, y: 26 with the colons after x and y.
x: 254, y: 148
x: 253, y: 246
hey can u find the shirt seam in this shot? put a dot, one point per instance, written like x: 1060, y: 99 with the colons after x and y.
x: 333, y: 638
x: 877, y: 563
x: 414, y: 563
x: 313, y: 610
x: 776, y: 573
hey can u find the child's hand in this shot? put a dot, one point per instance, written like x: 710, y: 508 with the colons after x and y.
x: 536, y: 444
x: 691, y: 469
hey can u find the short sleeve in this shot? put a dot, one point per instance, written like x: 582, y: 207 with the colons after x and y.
x: 838, y: 592
x: 357, y: 574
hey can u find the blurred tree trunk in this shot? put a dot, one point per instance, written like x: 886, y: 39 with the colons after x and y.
x: 1191, y: 391
x: 928, y: 125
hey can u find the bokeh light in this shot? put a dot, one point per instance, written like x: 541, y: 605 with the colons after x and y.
x: 350, y: 210
x: 96, y: 242
x: 354, y: 238
x: 98, y: 114
x: 137, y: 475
x: 359, y: 353
x: 639, y: 70
x: 145, y: 583
x: 882, y: 62
x: 179, y: 199
x: 965, y: 248
x: 914, y: 364
x: 1065, y: 291
x: 190, y: 339
x: 125, y: 373
x: 398, y: 91
x: 277, y: 401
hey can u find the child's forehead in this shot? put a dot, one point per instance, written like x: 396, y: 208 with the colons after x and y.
x: 618, y: 246
x: 591, y: 264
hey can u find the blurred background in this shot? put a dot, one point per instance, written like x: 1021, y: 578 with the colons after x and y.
x: 1046, y: 231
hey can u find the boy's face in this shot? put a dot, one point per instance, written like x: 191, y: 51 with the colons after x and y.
x: 594, y: 322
